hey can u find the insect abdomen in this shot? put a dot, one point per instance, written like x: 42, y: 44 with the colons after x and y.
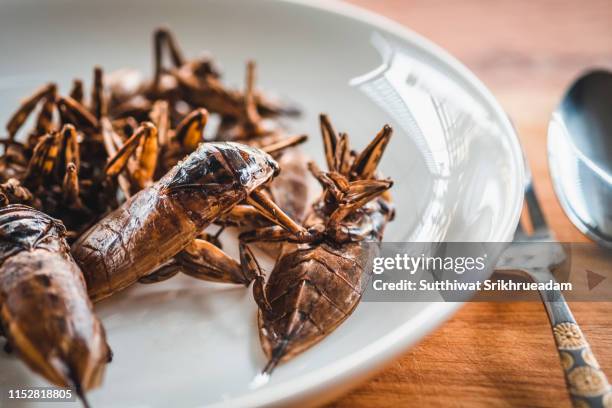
x: 311, y: 292
x: 45, y: 312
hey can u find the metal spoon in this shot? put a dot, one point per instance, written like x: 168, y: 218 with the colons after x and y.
x: 580, y: 154
x: 580, y: 162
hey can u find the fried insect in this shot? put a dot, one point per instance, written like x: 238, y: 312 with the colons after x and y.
x: 185, y: 85
x: 160, y: 221
x: 178, y: 101
x: 61, y: 161
x: 45, y: 313
x: 319, y: 278
x: 142, y: 153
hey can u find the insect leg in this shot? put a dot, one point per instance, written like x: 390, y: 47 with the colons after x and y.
x: 146, y: 156
x: 277, y: 147
x: 251, y: 268
x: 71, y: 186
x: 190, y: 132
x: 161, y: 274
x: 27, y: 106
x: 213, y: 238
x: 160, y: 117
x: 326, y: 182
x: 43, y: 160
x: 76, y: 92
x: 158, y: 43
x: 44, y: 120
x: 98, y: 99
x: 342, y: 159
x: 160, y: 37
x: 117, y: 163
x: 365, y: 164
x: 70, y: 146
x: 270, y: 210
x: 250, y: 115
x: 360, y: 192
x: 73, y: 112
x: 330, y: 140
x: 164, y: 34
x: 16, y: 193
x: 203, y: 260
x: 109, y: 137
x: 267, y: 234
x: 244, y: 216
x: 111, y: 142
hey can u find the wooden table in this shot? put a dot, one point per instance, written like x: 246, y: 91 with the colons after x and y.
x: 503, y: 354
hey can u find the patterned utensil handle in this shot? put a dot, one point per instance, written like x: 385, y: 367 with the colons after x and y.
x: 586, y: 383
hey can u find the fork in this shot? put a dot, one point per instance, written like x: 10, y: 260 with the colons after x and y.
x: 586, y: 382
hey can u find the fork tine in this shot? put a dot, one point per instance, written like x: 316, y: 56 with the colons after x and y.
x: 535, y: 212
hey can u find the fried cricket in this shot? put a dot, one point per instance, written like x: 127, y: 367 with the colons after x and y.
x: 158, y: 222
x: 318, y: 279
x: 186, y: 84
x: 45, y: 313
x: 58, y: 166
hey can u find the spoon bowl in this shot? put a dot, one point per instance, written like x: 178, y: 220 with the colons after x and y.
x: 580, y: 154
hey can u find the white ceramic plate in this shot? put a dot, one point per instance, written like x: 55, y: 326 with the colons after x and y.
x: 454, y: 156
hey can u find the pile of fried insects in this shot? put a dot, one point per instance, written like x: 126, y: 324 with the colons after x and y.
x: 118, y: 187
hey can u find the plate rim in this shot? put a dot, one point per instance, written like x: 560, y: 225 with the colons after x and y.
x: 357, y: 367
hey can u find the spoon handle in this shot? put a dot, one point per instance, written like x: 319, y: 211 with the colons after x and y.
x: 586, y: 382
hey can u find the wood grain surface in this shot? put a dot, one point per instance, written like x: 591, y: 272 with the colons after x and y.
x: 502, y: 354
